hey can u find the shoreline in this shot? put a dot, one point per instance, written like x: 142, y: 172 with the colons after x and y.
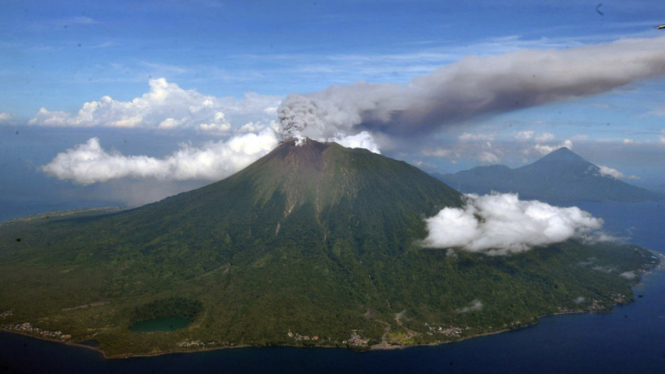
x: 375, y: 347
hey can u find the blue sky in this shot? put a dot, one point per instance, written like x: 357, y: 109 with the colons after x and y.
x: 61, y: 55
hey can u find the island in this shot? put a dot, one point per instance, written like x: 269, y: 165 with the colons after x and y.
x: 313, y: 245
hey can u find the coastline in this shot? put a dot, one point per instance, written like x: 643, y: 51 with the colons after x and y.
x: 377, y: 347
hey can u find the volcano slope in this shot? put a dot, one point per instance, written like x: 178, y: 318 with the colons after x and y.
x: 313, y: 244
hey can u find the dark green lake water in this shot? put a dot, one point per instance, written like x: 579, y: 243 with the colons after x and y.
x: 161, y: 324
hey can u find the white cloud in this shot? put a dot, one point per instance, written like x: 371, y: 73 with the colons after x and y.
x: 630, y: 141
x: 215, y: 128
x: 524, y: 135
x: 628, y: 275
x: 609, y: 172
x: 544, y: 149
x: 545, y: 137
x: 476, y: 137
x: 474, y: 306
x: 500, y: 224
x: 165, y: 106
x: 614, y: 173
x: 5, y: 117
x: 423, y: 165
x: 169, y: 123
x: 661, y: 138
x: 361, y: 140
x: 89, y: 163
x: 251, y: 127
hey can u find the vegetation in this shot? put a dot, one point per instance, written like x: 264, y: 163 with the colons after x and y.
x: 168, y: 308
x: 311, y: 245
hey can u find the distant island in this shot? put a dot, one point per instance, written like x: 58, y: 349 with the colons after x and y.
x: 312, y: 245
x: 561, y: 176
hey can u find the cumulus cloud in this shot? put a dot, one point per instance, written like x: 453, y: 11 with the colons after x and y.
x: 500, y: 224
x: 609, y: 172
x: 471, y: 88
x: 473, y: 306
x: 579, y: 300
x: 614, y: 173
x: 89, y: 163
x: 165, y: 106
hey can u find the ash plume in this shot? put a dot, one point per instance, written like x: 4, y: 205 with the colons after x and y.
x: 472, y: 88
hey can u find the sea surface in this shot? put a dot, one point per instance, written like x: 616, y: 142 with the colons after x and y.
x: 631, y: 339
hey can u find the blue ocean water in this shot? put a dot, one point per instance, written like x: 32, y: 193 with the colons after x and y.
x: 629, y: 340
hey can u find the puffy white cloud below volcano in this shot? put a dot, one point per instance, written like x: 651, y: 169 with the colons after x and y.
x: 473, y: 87
x: 89, y: 163
x: 500, y: 224
x: 165, y: 106
x: 614, y: 173
x: 609, y: 172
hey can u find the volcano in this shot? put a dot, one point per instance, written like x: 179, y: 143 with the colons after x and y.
x: 313, y: 244
x: 561, y: 177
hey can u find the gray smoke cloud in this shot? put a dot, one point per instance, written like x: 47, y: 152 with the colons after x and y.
x: 472, y: 87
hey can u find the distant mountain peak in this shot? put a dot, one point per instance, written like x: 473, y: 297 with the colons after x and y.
x: 562, y: 175
x: 563, y: 154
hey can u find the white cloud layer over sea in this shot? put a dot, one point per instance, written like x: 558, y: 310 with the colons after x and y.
x: 89, y: 163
